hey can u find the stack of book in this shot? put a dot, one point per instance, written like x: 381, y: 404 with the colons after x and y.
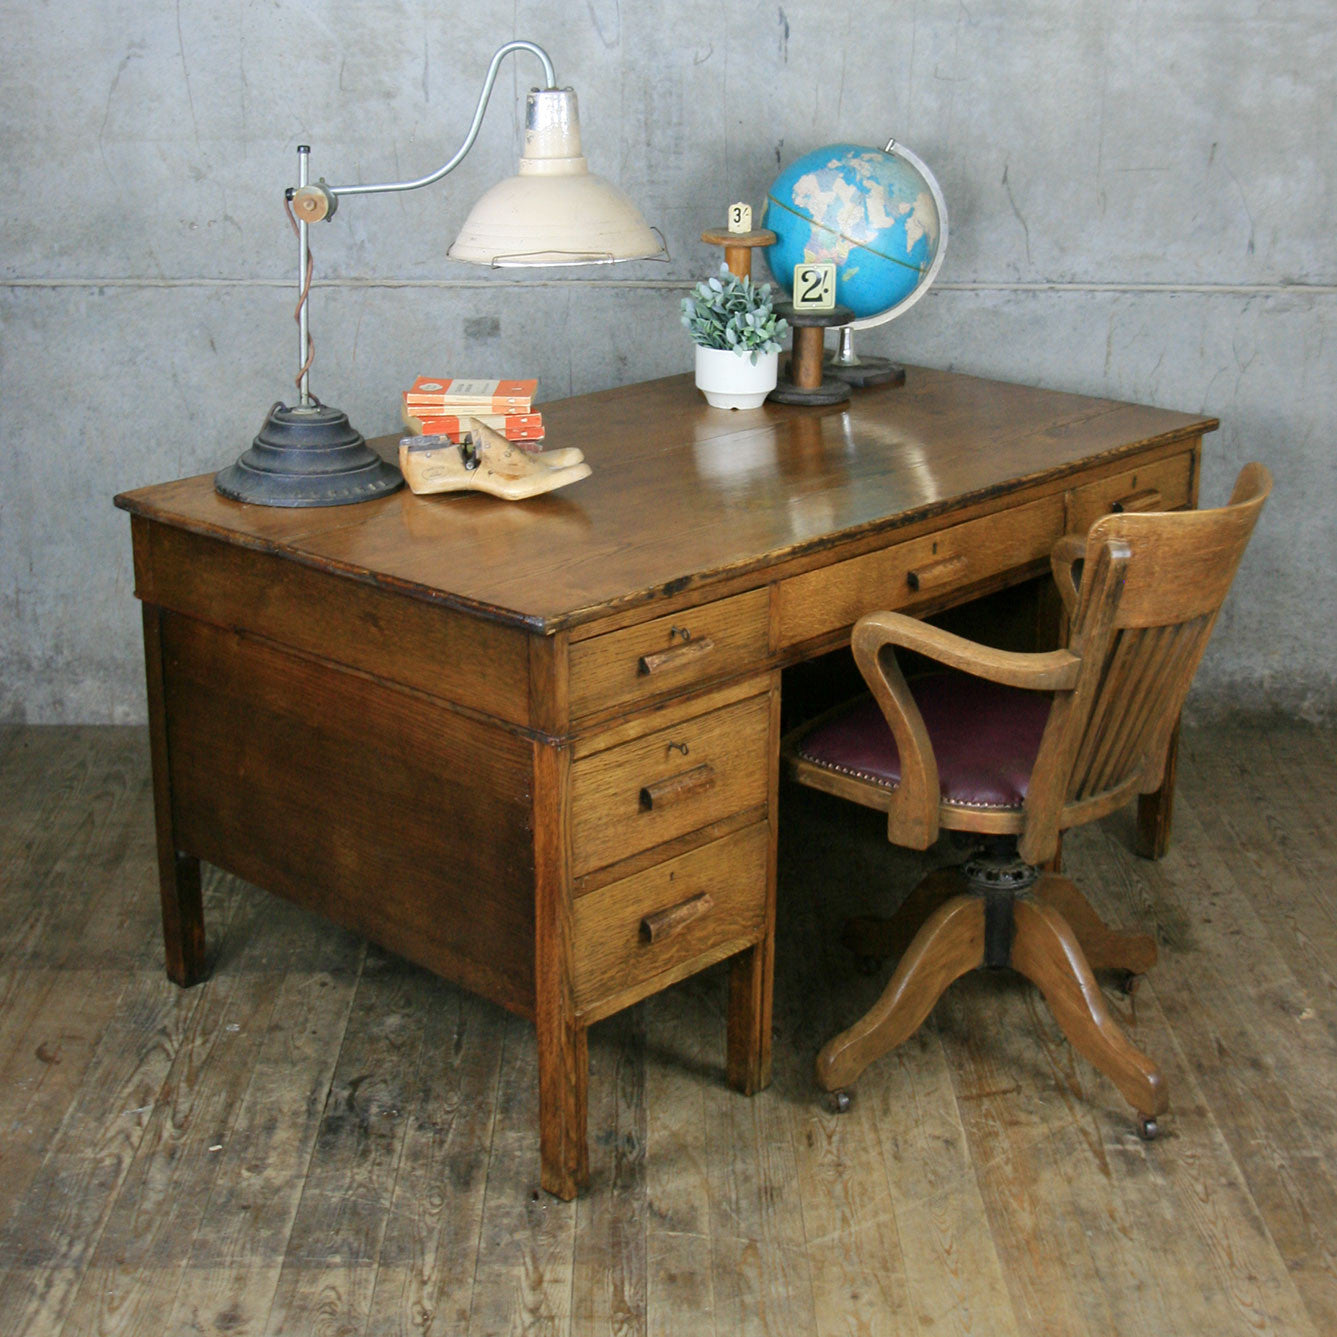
x: 441, y: 406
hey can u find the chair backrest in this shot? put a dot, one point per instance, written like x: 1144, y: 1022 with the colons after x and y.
x: 1151, y: 588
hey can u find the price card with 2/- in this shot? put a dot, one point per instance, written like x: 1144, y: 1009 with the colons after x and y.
x: 815, y: 286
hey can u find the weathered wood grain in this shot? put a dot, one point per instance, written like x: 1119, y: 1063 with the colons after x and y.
x: 168, y: 1186
x: 525, y: 1257
x: 53, y: 1231
x: 985, y: 1182
x: 609, y: 1274
x: 334, y: 1248
x: 623, y: 537
x: 425, y: 1278
x: 1260, y: 1049
x: 237, y: 1253
x: 681, y: 1053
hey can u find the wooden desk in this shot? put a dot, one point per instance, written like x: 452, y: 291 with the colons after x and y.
x: 533, y: 746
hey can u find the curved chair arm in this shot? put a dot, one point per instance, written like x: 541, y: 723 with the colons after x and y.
x: 912, y: 815
x: 1066, y: 553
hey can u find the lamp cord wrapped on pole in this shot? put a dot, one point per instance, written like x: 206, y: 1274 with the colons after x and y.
x: 308, y: 344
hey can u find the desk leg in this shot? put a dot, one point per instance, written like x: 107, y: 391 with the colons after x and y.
x: 749, y: 1036
x: 178, y: 873
x: 752, y: 973
x: 564, y: 1067
x: 563, y: 1052
x: 1155, y: 810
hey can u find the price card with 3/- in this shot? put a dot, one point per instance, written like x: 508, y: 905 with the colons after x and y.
x: 815, y: 286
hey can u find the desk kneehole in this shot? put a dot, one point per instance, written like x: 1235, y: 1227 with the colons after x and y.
x: 668, y: 782
x: 634, y: 937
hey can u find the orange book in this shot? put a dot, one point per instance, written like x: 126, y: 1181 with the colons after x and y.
x: 526, y: 426
x: 445, y: 392
x: 515, y: 427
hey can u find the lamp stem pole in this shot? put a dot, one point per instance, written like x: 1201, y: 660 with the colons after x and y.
x: 303, y: 261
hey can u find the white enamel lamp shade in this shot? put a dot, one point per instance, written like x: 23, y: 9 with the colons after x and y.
x: 555, y: 211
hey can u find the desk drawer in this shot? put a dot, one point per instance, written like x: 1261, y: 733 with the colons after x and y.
x: 662, y: 785
x: 633, y: 937
x: 1163, y: 486
x: 668, y: 653
x: 822, y: 601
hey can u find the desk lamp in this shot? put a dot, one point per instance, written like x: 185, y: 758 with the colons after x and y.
x: 554, y: 212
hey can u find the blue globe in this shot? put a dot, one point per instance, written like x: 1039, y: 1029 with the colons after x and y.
x: 871, y: 211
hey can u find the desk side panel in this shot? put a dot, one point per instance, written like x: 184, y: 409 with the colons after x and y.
x: 401, y: 820
x: 480, y: 664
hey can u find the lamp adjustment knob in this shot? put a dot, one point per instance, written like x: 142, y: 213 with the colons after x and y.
x: 312, y: 203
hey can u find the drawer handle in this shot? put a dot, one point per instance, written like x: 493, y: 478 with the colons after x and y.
x: 676, y: 657
x: 676, y: 787
x: 943, y: 572
x: 658, y: 926
x: 1149, y: 499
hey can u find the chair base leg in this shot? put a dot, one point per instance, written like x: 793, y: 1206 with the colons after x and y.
x: 1046, y: 950
x: 874, y: 940
x: 950, y: 943
x: 1104, y: 948
x: 1055, y: 939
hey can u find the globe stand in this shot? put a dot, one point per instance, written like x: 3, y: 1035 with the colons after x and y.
x: 738, y: 247
x: 308, y: 456
x: 802, y: 381
x: 861, y: 372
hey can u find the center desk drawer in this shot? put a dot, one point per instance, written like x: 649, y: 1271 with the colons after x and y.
x: 822, y: 601
x: 635, y: 936
x: 638, y: 794
x: 667, y: 653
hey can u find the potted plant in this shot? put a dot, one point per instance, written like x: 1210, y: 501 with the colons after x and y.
x: 737, y: 336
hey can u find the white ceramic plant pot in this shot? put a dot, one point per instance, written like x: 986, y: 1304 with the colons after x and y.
x: 730, y: 380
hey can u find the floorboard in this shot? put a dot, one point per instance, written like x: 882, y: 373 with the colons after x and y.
x: 322, y: 1138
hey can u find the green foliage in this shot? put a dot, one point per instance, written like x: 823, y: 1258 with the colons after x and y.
x: 735, y: 314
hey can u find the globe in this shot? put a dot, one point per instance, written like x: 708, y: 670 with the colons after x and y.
x: 876, y: 213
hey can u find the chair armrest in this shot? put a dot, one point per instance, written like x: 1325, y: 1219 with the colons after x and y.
x: 1066, y: 553
x: 912, y: 814
x: 1047, y: 671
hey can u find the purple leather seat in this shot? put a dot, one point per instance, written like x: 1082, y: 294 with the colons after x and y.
x: 985, y: 738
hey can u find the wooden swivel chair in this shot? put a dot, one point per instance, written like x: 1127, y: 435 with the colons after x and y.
x: 1017, y: 748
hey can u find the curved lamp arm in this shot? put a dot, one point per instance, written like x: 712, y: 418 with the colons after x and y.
x: 498, y: 56
x: 311, y: 203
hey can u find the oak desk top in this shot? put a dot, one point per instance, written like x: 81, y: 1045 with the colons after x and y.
x: 683, y: 494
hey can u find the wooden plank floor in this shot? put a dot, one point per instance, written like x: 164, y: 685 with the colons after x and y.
x: 324, y: 1140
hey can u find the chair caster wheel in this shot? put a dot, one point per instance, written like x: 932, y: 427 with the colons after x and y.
x: 1147, y: 1127
x: 868, y: 965
x: 840, y: 1102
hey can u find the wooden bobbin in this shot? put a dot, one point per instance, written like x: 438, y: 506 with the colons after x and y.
x: 738, y: 246
x: 802, y: 381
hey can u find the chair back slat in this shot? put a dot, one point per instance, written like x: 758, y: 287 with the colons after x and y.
x: 1147, y: 675
x: 1152, y: 587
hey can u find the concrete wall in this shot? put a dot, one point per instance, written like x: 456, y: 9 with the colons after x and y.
x: 1141, y: 194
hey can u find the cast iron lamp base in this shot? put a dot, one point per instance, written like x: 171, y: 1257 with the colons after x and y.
x: 308, y: 457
